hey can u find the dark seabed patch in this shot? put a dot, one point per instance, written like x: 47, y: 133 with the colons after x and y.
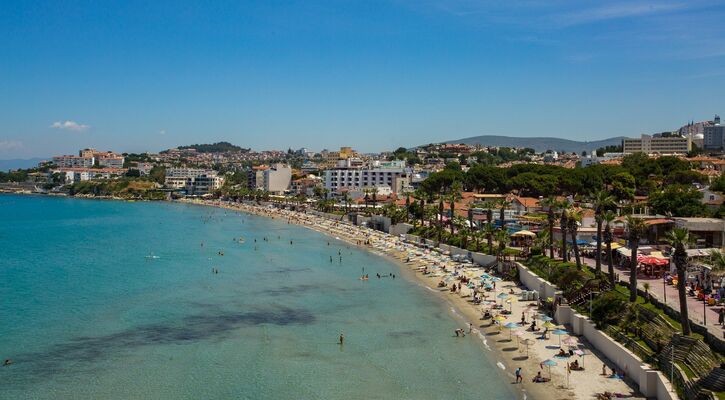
x: 85, y: 350
x: 287, y: 270
x: 404, y: 334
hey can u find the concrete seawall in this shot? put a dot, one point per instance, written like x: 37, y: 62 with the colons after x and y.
x: 652, y: 383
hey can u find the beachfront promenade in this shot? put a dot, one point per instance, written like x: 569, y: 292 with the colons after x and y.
x: 495, y: 308
x: 698, y: 312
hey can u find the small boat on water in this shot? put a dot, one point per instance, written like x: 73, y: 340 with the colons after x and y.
x: 152, y: 257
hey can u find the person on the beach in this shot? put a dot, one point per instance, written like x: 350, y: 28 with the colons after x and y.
x: 7, y: 362
x: 523, y: 317
x: 519, y: 378
x: 604, y: 369
x: 470, y: 327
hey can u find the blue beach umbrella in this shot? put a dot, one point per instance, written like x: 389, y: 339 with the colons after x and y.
x: 546, y: 318
x: 511, y: 326
x: 559, y: 332
x: 549, y: 363
x: 502, y: 296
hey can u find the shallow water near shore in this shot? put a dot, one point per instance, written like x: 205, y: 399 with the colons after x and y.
x: 105, y: 299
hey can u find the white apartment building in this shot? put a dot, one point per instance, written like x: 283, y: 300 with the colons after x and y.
x: 657, y: 145
x: 203, y: 184
x: 110, y: 161
x: 714, y: 135
x: 87, y: 158
x: 176, y: 178
x: 73, y: 161
x: 277, y: 178
x: 377, y: 174
x: 73, y: 175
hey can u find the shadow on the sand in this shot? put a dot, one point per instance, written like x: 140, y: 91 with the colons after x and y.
x: 510, y: 348
x: 520, y: 358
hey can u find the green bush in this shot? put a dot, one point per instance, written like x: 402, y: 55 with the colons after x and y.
x: 608, y: 309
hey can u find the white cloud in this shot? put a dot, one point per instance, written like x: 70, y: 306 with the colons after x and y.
x: 162, y: 132
x: 10, y: 145
x: 69, y: 126
x: 617, y: 11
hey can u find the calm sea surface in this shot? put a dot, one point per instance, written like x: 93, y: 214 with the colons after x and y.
x: 114, y: 300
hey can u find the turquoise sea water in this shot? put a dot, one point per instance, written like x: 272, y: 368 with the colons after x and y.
x: 85, y: 314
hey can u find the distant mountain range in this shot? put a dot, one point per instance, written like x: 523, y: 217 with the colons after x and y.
x: 6, y: 165
x: 540, y: 144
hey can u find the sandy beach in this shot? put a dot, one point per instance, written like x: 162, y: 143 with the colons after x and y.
x: 512, y: 345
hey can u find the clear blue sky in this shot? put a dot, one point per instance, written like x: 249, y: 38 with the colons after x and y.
x: 147, y: 75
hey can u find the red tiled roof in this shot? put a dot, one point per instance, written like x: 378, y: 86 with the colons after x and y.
x: 658, y: 221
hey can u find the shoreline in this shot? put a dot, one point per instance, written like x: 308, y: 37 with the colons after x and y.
x: 493, y: 339
x: 460, y: 307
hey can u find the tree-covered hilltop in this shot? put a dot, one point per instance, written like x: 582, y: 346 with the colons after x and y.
x: 219, y: 147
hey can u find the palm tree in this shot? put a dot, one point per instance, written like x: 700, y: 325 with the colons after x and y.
x: 461, y: 225
x: 421, y: 197
x: 453, y: 196
x: 502, y: 203
x: 635, y: 229
x: 680, y: 239
x: 608, y: 217
x: 502, y: 238
x: 551, y: 203
x: 488, y: 206
x: 563, y: 224
x: 407, y: 207
x: 572, y: 226
x: 602, y: 201
x: 346, y: 200
x: 440, y: 219
x: 489, y: 230
x: 717, y: 260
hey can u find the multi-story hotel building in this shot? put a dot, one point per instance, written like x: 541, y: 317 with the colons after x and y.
x: 377, y: 174
x: 176, y: 178
x: 714, y: 135
x: 657, y: 145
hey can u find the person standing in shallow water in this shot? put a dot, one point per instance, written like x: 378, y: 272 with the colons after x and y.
x: 342, y: 339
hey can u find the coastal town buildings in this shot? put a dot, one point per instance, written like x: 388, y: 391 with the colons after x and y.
x: 714, y: 135
x: 88, y: 158
x: 652, y: 144
x: 349, y: 176
x: 275, y: 179
x: 203, y: 184
x: 77, y: 174
x: 181, y: 178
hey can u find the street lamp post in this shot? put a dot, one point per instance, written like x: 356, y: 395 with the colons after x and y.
x: 664, y: 288
x: 704, y: 312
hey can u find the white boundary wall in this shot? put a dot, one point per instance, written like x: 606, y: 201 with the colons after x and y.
x: 652, y: 383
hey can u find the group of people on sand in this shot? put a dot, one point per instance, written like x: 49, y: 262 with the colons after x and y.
x: 539, y: 378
